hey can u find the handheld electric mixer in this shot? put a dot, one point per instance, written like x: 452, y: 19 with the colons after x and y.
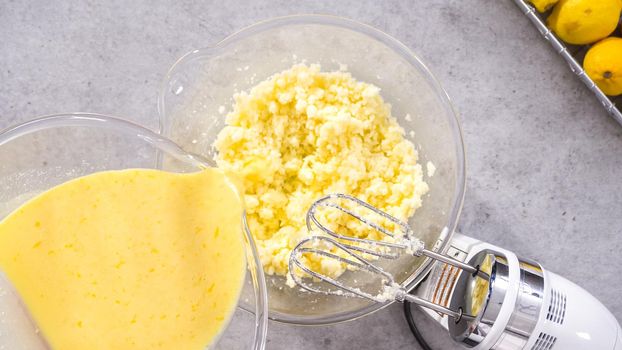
x: 493, y: 300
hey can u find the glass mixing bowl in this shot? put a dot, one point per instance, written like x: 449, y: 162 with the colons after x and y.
x: 201, y: 84
x: 45, y: 152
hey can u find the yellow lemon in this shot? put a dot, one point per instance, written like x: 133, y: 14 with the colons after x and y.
x: 543, y: 5
x: 582, y: 22
x: 603, y: 63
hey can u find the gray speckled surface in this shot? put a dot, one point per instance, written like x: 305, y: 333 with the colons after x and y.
x: 544, y: 159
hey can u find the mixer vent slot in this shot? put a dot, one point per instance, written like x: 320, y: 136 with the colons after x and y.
x: 557, y: 307
x: 544, y: 342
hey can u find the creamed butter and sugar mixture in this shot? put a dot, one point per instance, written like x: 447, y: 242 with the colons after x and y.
x: 304, y: 133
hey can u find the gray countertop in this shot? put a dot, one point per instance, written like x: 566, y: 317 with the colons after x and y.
x: 544, y: 159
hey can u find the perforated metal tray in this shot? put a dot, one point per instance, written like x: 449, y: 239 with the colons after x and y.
x: 573, y: 56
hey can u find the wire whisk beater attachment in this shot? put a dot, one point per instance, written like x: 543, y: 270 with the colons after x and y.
x: 398, y: 237
x: 378, y: 285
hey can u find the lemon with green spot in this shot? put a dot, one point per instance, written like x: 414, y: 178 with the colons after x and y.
x: 581, y: 22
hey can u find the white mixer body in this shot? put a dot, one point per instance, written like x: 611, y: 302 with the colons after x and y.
x: 550, y: 314
x: 574, y: 319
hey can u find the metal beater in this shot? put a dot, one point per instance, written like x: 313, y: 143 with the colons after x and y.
x: 342, y: 249
x: 406, y: 241
x: 387, y: 290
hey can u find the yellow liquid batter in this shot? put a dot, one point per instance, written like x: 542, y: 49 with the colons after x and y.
x: 133, y: 259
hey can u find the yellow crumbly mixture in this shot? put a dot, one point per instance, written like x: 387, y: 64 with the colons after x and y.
x: 302, y: 134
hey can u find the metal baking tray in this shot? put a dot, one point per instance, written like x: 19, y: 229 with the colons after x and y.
x: 574, y: 56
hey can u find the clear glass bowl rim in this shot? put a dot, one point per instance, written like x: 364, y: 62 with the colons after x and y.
x: 401, y: 49
x: 161, y: 144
